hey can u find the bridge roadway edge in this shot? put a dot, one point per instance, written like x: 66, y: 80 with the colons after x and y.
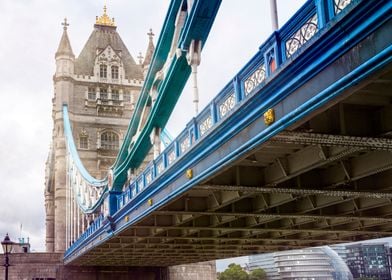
x: 371, y: 66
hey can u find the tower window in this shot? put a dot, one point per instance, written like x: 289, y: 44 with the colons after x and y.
x: 115, y: 94
x: 103, y: 93
x: 103, y: 71
x: 114, y: 72
x: 127, y: 97
x: 91, y: 94
x: 109, y: 141
x: 83, y: 142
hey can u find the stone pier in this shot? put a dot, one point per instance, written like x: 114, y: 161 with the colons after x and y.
x: 49, y: 266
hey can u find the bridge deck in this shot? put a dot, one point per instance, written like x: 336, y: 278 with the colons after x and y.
x: 319, y: 174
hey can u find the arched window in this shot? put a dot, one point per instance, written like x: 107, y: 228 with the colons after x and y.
x: 114, y: 72
x: 109, y: 141
x: 103, y: 71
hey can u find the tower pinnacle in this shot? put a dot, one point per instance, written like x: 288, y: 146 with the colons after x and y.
x: 150, y: 35
x: 150, y: 48
x: 140, y: 58
x: 105, y: 20
x: 64, y: 46
x: 65, y: 24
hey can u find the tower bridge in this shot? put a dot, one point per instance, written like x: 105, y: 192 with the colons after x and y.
x: 294, y: 151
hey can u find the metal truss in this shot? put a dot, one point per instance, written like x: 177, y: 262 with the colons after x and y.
x: 304, y: 138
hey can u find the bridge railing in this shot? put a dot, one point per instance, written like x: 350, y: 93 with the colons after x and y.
x: 279, y: 49
x: 283, y: 46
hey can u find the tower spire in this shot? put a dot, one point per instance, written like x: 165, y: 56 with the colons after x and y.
x: 65, y: 24
x: 150, y: 48
x: 65, y: 46
x: 150, y: 35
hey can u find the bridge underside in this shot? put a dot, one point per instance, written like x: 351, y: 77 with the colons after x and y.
x: 325, y: 180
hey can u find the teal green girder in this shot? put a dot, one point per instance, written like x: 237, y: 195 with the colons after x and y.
x: 136, y: 143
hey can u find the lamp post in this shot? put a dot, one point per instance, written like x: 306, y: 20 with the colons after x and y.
x: 7, y: 247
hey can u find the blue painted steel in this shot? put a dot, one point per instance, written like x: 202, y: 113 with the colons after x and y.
x: 74, y: 153
x: 197, y: 26
x: 133, y: 152
x: 166, y: 137
x: 90, y: 180
x: 360, y: 20
x: 159, y: 57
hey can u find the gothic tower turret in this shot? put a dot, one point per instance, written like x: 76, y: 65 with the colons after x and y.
x: 64, y: 55
x: 55, y: 191
x: 65, y: 60
x: 99, y: 88
x: 149, y: 52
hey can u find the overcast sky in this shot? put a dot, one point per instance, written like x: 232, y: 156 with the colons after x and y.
x: 30, y: 33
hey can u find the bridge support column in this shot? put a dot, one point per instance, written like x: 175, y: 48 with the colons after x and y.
x: 112, y: 199
x: 156, y: 141
x: 194, y: 57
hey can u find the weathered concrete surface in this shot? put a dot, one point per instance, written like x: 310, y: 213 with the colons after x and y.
x: 197, y: 271
x: 50, y: 266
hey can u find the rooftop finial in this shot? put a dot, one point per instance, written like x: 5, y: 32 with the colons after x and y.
x: 150, y: 34
x: 105, y: 19
x: 65, y: 24
x: 140, y: 58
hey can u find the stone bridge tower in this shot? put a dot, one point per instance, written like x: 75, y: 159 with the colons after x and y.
x: 100, y: 87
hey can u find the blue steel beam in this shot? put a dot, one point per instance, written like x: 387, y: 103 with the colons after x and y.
x: 166, y: 137
x: 132, y: 152
x: 74, y: 156
x: 158, y: 60
x: 343, y: 33
x: 197, y: 27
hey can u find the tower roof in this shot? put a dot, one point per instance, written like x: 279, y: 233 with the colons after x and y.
x: 65, y: 46
x: 104, y: 35
x: 150, y: 49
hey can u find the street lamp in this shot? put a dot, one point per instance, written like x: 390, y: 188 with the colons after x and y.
x: 7, y: 247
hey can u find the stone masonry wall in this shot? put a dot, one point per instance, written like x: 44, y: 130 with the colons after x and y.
x: 197, y: 271
x: 49, y: 266
x: 27, y: 266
